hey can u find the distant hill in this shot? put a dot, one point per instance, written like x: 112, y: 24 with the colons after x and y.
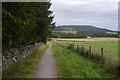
x: 87, y: 29
x: 81, y: 31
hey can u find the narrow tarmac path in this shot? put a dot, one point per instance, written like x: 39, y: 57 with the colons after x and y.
x: 46, y: 68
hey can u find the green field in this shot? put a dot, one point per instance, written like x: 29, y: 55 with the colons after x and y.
x: 72, y: 65
x: 110, y: 48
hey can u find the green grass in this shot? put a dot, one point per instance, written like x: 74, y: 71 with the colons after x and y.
x: 72, y: 65
x: 25, y: 67
x: 110, y: 48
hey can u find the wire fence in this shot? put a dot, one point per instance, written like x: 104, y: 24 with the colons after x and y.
x: 100, y: 57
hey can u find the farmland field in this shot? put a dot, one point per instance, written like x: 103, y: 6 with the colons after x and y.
x: 67, y: 59
x: 85, y: 39
x: 110, y: 45
x: 72, y: 32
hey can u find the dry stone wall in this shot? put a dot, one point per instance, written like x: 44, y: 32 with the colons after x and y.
x: 14, y: 55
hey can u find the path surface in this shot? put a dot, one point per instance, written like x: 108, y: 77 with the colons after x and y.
x: 46, y: 68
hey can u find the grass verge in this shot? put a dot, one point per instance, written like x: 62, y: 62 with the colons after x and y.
x: 110, y: 48
x: 25, y: 67
x: 71, y: 65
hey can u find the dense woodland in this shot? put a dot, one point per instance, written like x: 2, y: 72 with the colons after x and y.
x: 25, y: 23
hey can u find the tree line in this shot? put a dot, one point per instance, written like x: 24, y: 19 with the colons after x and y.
x: 25, y: 23
x: 68, y: 35
x: 81, y: 35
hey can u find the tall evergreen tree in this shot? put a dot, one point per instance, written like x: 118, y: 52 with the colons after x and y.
x: 25, y: 23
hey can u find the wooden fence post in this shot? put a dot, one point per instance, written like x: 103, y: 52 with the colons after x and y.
x: 82, y: 50
x: 69, y: 46
x: 102, y: 55
x: 90, y: 50
x: 77, y: 48
x: 72, y: 46
x: 101, y: 52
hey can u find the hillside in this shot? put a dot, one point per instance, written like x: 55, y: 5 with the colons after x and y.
x: 86, y: 30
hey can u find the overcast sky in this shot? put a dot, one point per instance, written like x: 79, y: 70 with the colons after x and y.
x: 99, y: 13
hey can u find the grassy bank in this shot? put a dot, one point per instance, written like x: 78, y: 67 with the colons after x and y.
x: 25, y: 67
x: 71, y: 65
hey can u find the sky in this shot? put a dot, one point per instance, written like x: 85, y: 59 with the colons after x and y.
x: 99, y: 13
